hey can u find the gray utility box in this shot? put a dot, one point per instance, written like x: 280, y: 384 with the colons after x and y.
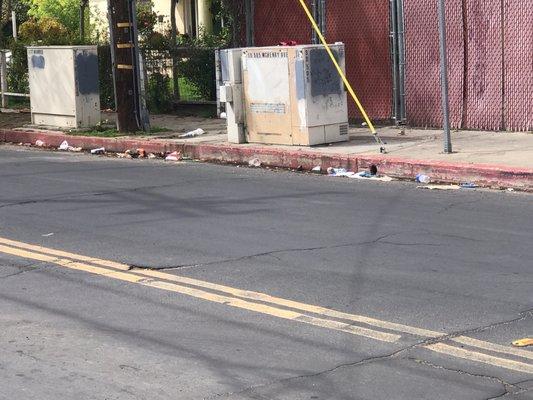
x: 64, y: 86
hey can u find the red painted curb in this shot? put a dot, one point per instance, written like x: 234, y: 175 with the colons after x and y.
x: 496, y: 176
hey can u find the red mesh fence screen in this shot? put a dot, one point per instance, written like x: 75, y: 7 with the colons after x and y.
x: 363, y: 26
x: 280, y: 21
x: 518, y: 65
x: 490, y: 47
x: 483, y: 103
x: 422, y: 75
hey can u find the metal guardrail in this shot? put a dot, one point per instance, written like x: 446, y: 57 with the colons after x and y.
x: 4, y: 91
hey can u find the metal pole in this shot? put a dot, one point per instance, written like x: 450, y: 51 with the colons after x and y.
x: 249, y: 10
x: 444, y: 78
x: 322, y: 13
x: 3, y: 78
x: 394, y: 56
x: 314, y: 9
x: 400, y: 26
x: 14, y: 23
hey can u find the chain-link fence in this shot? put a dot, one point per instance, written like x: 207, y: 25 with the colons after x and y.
x: 363, y: 26
x: 489, y: 64
x: 280, y: 21
x: 518, y: 65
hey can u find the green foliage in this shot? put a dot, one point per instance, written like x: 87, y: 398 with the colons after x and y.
x: 105, y: 73
x: 199, y: 67
x: 146, y: 19
x: 44, y: 31
x: 64, y: 11
x: 17, y: 76
x: 159, y: 93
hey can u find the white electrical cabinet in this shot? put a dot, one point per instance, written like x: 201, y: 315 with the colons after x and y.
x: 290, y: 95
x: 231, y: 93
x: 64, y: 86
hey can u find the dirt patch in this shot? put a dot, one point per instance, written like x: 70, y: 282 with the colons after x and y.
x: 14, y: 120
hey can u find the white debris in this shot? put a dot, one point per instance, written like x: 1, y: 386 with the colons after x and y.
x: 440, y: 187
x: 174, y: 156
x: 254, y: 162
x: 100, y: 150
x: 64, y: 146
x: 196, y: 132
x: 39, y: 143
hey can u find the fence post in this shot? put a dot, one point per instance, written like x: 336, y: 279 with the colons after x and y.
x: 444, y: 78
x: 400, y: 31
x: 3, y: 77
x: 249, y: 14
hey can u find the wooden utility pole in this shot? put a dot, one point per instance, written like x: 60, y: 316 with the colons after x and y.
x: 126, y: 71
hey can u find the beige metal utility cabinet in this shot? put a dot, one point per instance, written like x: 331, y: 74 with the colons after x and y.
x: 294, y: 95
x: 64, y: 86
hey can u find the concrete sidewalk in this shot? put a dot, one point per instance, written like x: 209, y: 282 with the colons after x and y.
x: 492, y: 159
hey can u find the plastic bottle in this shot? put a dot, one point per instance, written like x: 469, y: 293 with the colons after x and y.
x: 423, y: 178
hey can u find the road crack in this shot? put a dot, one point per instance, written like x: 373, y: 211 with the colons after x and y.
x: 398, y: 353
x: 272, y: 253
x: 508, y: 388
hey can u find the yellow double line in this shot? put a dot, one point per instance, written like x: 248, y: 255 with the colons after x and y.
x: 377, y: 329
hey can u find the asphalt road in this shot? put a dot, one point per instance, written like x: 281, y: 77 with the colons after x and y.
x: 205, y: 282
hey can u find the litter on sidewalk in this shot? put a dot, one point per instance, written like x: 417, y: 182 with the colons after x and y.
x: 254, y: 162
x: 340, y: 172
x: 63, y: 146
x: 440, y: 187
x: 40, y: 143
x: 421, y: 178
x: 100, y: 150
x: 174, y: 156
x: 196, y: 132
x: 368, y: 176
x: 468, y: 185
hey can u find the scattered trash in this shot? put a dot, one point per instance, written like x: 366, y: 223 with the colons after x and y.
x: 174, y: 156
x: 223, y: 115
x: 39, y: 143
x: 363, y: 124
x: 48, y: 234
x: 196, y: 132
x: 523, y: 342
x: 254, y: 162
x: 364, y: 174
x: 468, y: 185
x: 440, y: 187
x: 340, y: 172
x: 64, y: 146
x: 421, y: 178
x: 402, y: 132
x: 317, y: 169
x: 510, y: 189
x: 368, y: 176
x: 132, y: 153
x: 100, y: 150
x: 124, y: 155
x: 300, y: 168
x: 141, y: 152
x: 151, y: 156
x: 382, y: 150
x: 75, y: 149
x: 373, y: 170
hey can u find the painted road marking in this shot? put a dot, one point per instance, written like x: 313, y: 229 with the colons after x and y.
x: 248, y: 300
x: 200, y: 294
x: 480, y: 357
